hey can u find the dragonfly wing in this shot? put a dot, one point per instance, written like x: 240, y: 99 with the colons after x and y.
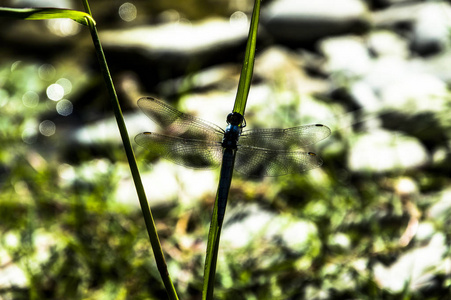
x: 176, y: 123
x: 190, y: 153
x: 284, y: 139
x: 258, y: 162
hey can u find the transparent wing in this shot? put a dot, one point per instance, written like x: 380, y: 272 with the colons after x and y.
x: 259, y: 162
x: 190, y: 153
x: 284, y: 139
x: 176, y: 123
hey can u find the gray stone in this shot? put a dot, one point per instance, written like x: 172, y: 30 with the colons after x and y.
x: 178, y: 39
x: 166, y: 51
x: 415, y: 93
x: 387, y: 43
x: 382, y: 151
x: 397, y: 16
x: 347, y: 55
x: 427, y: 24
x: 297, y: 21
x: 280, y: 66
x: 415, y: 268
x: 441, y: 209
x: 436, y: 65
x: 431, y: 30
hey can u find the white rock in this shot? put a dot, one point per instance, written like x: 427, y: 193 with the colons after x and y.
x: 348, y: 55
x: 431, y: 30
x: 179, y: 38
x: 441, y: 208
x: 365, y: 96
x: 414, y: 93
x: 416, y: 267
x: 169, y: 182
x: 387, y: 43
x: 382, y: 151
x: 262, y: 224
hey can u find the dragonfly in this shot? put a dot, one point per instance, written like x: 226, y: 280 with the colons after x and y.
x: 192, y: 142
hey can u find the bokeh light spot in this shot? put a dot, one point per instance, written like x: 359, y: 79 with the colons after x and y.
x: 64, y: 107
x: 169, y: 16
x: 128, y: 12
x: 15, y: 65
x: 4, y: 97
x: 406, y: 186
x: 46, y: 72
x: 11, y: 240
x: 67, y: 172
x: 66, y: 84
x: 63, y: 27
x: 30, y: 99
x: 238, y: 19
x: 47, y: 128
x: 29, y: 136
x: 55, y: 92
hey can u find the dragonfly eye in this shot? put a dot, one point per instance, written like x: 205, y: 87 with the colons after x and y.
x: 235, y: 119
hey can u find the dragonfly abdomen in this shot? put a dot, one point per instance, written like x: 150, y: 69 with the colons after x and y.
x: 228, y: 161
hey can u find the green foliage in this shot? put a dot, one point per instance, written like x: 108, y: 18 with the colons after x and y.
x: 45, y: 14
x: 70, y: 240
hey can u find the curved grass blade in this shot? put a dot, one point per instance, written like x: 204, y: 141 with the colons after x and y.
x: 147, y: 214
x: 45, y: 14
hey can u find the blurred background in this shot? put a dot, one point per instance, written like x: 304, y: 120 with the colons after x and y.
x: 372, y: 223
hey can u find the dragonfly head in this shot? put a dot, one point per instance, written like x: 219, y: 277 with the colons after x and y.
x: 236, y: 119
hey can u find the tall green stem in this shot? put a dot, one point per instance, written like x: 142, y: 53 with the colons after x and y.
x: 247, y: 69
x: 150, y: 224
x: 239, y: 107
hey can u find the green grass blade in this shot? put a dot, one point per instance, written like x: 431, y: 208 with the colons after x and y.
x: 147, y: 214
x: 212, y: 254
x: 45, y: 14
x: 216, y: 226
x: 240, y: 105
x: 248, y: 65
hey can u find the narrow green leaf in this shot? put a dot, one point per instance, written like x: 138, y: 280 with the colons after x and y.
x: 45, y: 14
x: 248, y: 65
x: 147, y: 214
x: 239, y: 107
x: 212, y: 254
x: 217, y: 219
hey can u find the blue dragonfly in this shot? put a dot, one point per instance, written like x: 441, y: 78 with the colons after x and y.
x: 196, y: 143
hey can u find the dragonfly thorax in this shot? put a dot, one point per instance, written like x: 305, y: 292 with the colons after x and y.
x: 231, y: 136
